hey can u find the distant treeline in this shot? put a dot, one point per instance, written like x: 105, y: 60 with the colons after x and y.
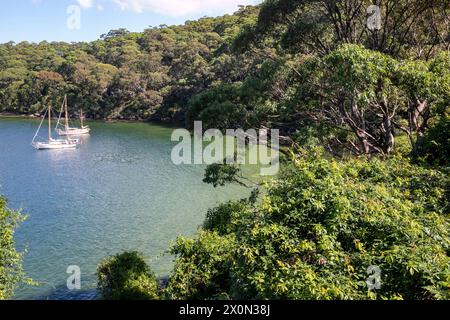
x: 147, y: 75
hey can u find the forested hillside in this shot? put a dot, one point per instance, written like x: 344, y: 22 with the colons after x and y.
x: 148, y: 75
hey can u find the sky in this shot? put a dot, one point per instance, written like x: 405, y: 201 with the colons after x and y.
x: 86, y: 20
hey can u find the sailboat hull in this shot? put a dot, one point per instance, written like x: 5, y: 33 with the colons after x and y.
x: 54, y: 145
x: 73, y: 132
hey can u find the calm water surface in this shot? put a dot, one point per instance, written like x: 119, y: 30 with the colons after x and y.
x: 118, y: 191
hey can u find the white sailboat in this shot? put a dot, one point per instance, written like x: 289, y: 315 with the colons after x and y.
x: 52, y: 143
x: 69, y: 131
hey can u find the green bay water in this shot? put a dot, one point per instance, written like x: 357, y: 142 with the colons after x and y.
x: 118, y: 191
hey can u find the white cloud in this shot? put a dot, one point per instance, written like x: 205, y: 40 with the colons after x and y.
x: 173, y: 8
x: 85, y: 3
x: 179, y: 8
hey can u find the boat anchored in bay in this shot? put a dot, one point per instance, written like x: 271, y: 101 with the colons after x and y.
x: 52, y: 143
x: 68, y: 130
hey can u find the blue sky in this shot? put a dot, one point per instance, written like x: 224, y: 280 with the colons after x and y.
x: 57, y: 20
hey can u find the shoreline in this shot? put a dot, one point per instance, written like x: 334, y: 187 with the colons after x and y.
x: 14, y: 115
x: 30, y: 116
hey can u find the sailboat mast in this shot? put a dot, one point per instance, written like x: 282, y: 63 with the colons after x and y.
x: 49, y: 123
x: 81, y: 118
x: 67, y: 114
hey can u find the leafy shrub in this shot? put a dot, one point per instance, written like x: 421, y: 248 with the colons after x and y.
x: 434, y: 147
x: 11, y: 271
x: 322, y: 226
x: 221, y: 218
x: 318, y: 229
x: 202, y: 269
x: 126, y: 276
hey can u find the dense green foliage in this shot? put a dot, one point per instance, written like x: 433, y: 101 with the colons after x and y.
x: 318, y: 229
x: 202, y: 270
x: 11, y: 272
x: 126, y: 276
x: 408, y: 27
x: 355, y: 90
x: 434, y: 147
x: 355, y: 100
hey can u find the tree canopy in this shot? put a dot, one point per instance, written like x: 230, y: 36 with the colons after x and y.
x: 317, y: 231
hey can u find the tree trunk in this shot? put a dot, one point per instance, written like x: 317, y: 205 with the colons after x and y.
x: 417, y: 110
x: 389, y: 139
x: 365, y: 145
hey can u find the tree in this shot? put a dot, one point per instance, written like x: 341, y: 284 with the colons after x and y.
x: 320, y: 26
x: 126, y: 276
x: 11, y: 271
x: 427, y: 88
x: 219, y: 108
x: 318, y: 229
x: 50, y: 84
x: 434, y: 147
x: 88, y: 79
x: 368, y: 94
x: 202, y: 267
x: 353, y: 88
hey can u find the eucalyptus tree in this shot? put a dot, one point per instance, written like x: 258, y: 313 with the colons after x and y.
x: 320, y: 26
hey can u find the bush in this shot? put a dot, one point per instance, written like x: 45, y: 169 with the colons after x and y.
x: 11, y: 271
x: 221, y: 218
x: 319, y: 228
x: 322, y: 226
x: 434, y: 147
x: 126, y: 276
x: 202, y: 269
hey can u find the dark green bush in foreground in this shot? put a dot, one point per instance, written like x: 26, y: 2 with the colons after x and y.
x: 11, y: 271
x: 202, y: 270
x: 126, y: 276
